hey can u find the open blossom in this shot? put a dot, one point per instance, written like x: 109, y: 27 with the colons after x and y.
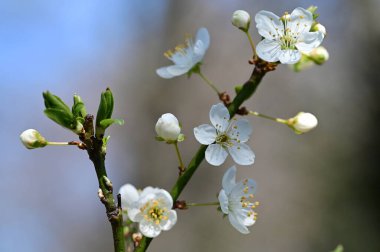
x: 151, y: 208
x: 186, y: 56
x: 285, y: 39
x: 236, y: 200
x: 225, y: 136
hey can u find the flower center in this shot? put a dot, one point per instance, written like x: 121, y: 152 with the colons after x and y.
x: 222, y: 138
x: 181, y: 48
x: 153, y: 212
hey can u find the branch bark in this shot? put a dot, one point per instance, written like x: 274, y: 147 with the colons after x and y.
x: 97, y: 155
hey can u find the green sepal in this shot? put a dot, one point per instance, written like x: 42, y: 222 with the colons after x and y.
x: 108, y: 122
x: 158, y: 138
x: 61, y: 117
x: 195, y: 69
x: 181, y: 138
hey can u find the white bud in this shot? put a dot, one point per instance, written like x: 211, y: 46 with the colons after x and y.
x: 303, y: 122
x: 167, y: 127
x: 319, y: 55
x: 32, y: 139
x: 241, y: 19
x: 321, y: 28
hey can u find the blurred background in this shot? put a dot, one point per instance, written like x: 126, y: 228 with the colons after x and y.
x: 316, y: 190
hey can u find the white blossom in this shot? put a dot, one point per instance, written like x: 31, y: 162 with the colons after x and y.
x: 186, y: 56
x: 225, y: 135
x: 167, y: 127
x: 241, y: 19
x: 32, y: 139
x: 151, y: 208
x: 303, y: 122
x: 236, y: 200
x: 286, y: 38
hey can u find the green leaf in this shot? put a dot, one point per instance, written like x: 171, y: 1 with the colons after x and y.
x: 102, y: 110
x: 108, y: 122
x: 61, y: 117
x: 78, y: 109
x: 109, y: 99
x: 54, y: 102
x: 105, y: 107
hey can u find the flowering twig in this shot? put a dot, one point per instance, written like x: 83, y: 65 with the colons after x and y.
x: 246, y: 92
x: 97, y: 156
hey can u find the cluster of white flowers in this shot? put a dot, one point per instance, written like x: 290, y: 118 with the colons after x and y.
x: 285, y: 40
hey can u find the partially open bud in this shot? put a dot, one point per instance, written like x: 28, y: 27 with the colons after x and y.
x: 319, y: 27
x: 303, y: 122
x: 241, y: 19
x: 167, y: 127
x: 32, y: 139
x: 319, y: 55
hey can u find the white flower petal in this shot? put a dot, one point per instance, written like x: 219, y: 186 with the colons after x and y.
x: 219, y: 117
x: 170, y: 222
x: 243, y: 188
x: 229, y: 179
x: 309, y: 40
x: 269, y: 25
x: 239, y: 226
x: 241, y: 130
x: 249, y: 220
x: 215, y: 154
x: 134, y: 214
x: 129, y: 195
x: 163, y: 73
x: 178, y: 70
x: 204, y: 37
x: 148, y: 190
x: 223, y: 201
x: 149, y: 229
x: 242, y: 154
x: 205, y: 134
x: 300, y: 20
x: 269, y: 50
x: 289, y: 56
x: 165, y: 198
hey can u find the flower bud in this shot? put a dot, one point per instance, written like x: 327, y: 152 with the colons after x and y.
x: 32, y: 139
x: 241, y: 19
x: 303, y: 122
x: 167, y: 127
x: 319, y: 55
x: 319, y: 27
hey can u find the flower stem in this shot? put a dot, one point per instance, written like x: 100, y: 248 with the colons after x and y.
x: 279, y: 120
x: 202, y: 204
x: 181, y: 165
x: 252, y: 44
x: 208, y: 82
x: 249, y: 88
x: 58, y: 143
